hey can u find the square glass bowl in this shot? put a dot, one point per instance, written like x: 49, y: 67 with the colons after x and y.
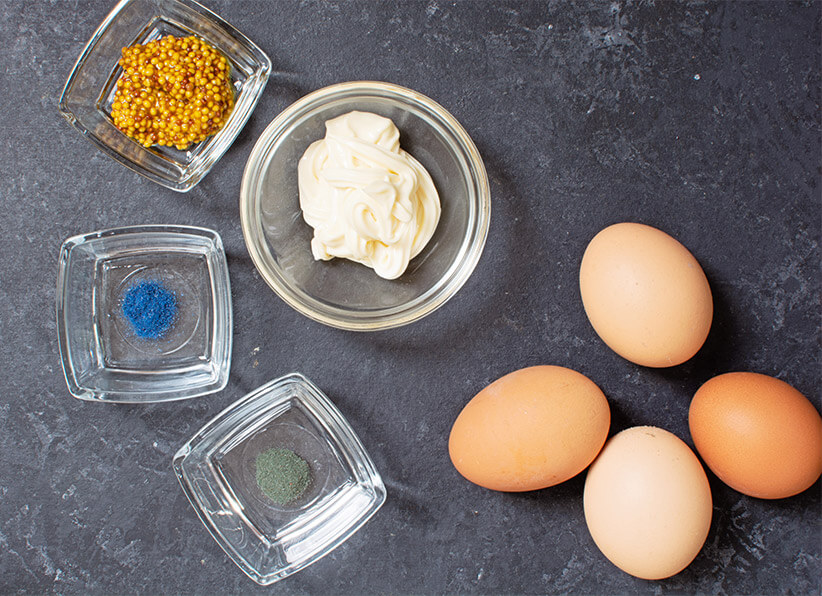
x: 104, y: 357
x: 216, y: 469
x: 89, y: 92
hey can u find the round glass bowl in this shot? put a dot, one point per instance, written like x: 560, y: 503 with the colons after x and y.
x: 341, y: 293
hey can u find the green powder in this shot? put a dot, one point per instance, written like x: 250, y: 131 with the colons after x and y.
x: 282, y: 475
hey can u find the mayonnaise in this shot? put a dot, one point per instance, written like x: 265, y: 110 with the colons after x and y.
x: 367, y: 200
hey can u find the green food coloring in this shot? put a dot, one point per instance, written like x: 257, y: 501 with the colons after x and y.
x: 282, y: 475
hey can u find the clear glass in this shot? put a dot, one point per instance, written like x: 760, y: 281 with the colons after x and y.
x: 89, y: 92
x: 103, y: 358
x: 339, y: 292
x: 216, y: 470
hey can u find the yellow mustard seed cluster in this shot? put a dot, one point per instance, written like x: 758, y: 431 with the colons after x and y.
x: 173, y: 91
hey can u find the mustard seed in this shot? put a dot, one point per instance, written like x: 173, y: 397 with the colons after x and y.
x: 147, y: 90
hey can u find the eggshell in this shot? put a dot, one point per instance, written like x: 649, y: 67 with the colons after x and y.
x: 645, y: 295
x: 758, y: 434
x: 530, y: 429
x: 648, y: 503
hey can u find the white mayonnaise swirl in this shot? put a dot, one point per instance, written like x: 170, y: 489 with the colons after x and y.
x: 367, y: 199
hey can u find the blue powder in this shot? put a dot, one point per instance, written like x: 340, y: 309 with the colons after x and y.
x: 150, y: 308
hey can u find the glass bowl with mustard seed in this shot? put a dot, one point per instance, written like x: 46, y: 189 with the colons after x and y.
x: 174, y: 91
x: 187, y: 47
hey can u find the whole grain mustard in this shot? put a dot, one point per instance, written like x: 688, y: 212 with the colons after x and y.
x: 173, y: 92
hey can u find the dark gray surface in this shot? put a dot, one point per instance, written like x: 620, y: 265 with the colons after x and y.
x: 700, y: 119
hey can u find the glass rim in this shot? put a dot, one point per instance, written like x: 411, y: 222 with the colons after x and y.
x: 458, y: 272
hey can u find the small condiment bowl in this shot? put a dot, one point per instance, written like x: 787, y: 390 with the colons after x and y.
x: 339, y: 292
x: 216, y: 470
x: 103, y: 358
x: 89, y: 91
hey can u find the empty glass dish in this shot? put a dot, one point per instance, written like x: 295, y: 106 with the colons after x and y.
x: 104, y: 355
x: 89, y: 92
x: 270, y: 541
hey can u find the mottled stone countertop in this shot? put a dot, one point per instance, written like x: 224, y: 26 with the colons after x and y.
x: 702, y: 119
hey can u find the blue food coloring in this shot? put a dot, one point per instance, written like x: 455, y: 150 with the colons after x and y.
x: 150, y: 308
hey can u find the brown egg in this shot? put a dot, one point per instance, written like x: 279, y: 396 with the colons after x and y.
x: 648, y: 502
x: 645, y: 295
x: 530, y: 429
x: 758, y: 434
